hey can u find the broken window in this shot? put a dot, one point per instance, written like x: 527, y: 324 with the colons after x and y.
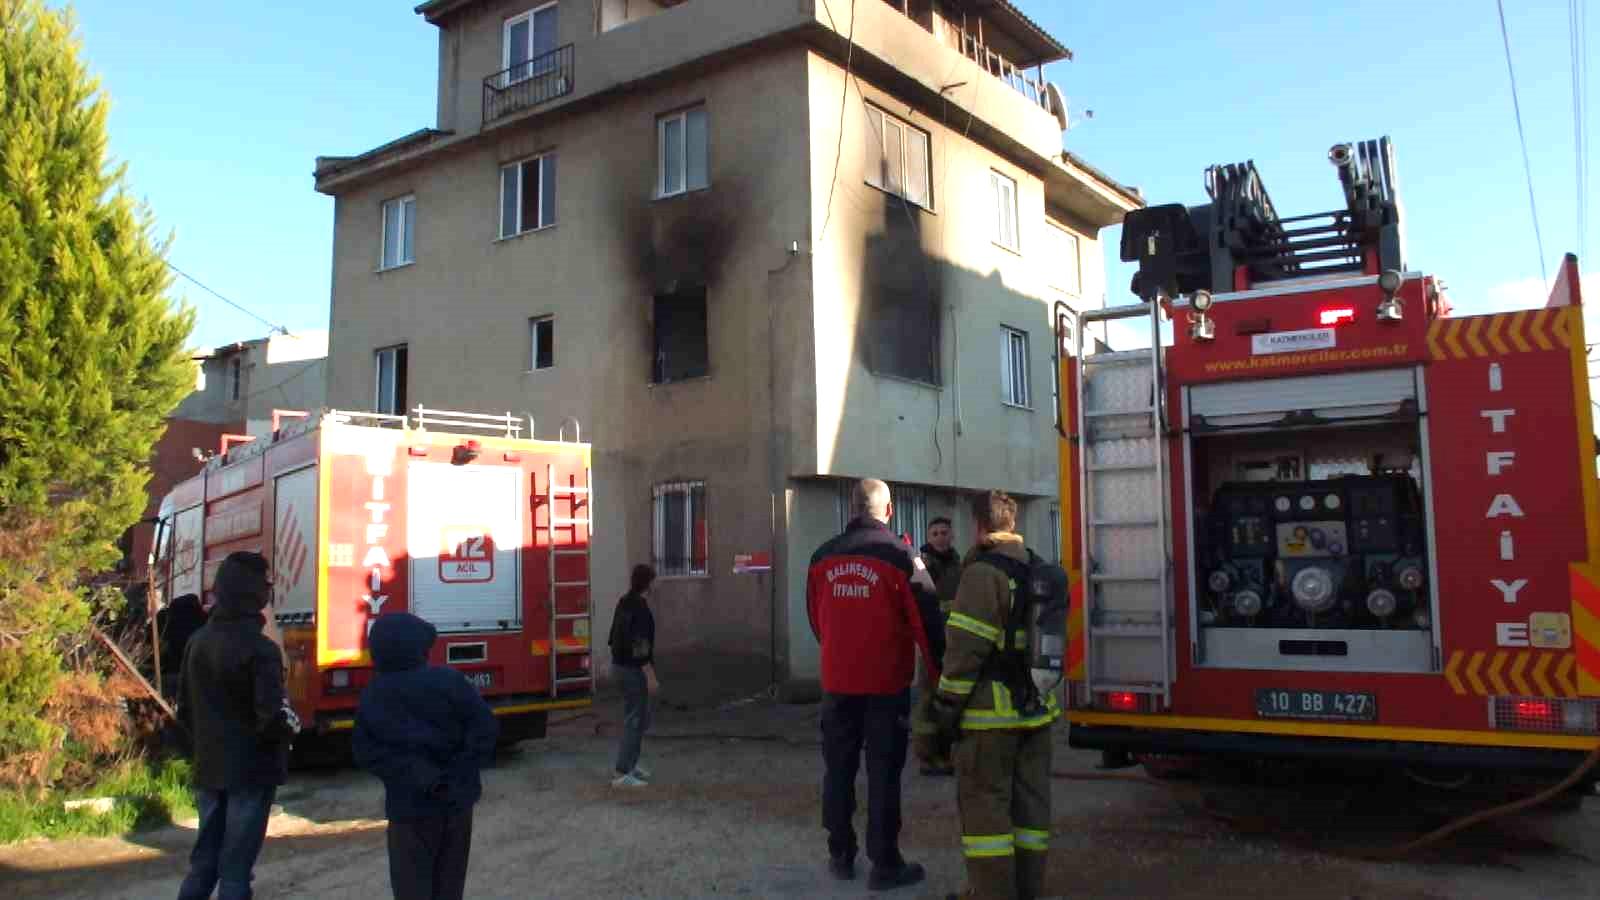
x: 681, y: 349
x: 903, y: 335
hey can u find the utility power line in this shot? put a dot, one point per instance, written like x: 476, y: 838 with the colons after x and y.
x: 270, y: 325
x: 1578, y: 44
x: 1527, y: 167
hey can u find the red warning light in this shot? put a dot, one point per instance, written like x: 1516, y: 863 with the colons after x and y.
x: 1537, y: 710
x: 1124, y: 701
x: 1336, y: 315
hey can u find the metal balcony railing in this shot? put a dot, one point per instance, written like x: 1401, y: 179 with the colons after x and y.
x: 998, y: 66
x: 528, y: 84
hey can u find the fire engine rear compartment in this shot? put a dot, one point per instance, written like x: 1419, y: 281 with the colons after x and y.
x: 1308, y: 530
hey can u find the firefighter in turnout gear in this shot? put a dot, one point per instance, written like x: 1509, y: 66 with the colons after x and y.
x: 987, y: 695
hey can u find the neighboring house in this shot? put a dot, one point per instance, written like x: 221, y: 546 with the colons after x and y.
x: 237, y: 388
x: 656, y: 218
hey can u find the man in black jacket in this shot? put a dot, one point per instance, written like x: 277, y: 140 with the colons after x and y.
x: 426, y: 732
x: 633, y: 641
x: 232, y: 702
x: 944, y: 567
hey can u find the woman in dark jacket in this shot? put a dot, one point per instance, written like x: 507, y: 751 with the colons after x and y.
x: 633, y: 640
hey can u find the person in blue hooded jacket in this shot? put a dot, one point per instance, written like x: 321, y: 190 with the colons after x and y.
x: 426, y: 732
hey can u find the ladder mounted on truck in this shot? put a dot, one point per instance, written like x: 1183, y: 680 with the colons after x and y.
x: 1122, y: 466
x: 580, y: 514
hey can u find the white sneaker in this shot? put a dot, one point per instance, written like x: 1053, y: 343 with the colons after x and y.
x: 640, y: 772
x: 629, y: 781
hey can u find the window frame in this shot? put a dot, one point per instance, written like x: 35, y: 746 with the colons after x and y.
x: 680, y: 490
x: 505, y: 39
x: 1075, y: 289
x: 533, y: 342
x: 997, y: 181
x: 398, y: 405
x: 681, y: 116
x: 520, y: 165
x: 874, y: 173
x: 235, y: 378
x: 1011, y: 372
x: 658, y: 365
x: 407, y: 206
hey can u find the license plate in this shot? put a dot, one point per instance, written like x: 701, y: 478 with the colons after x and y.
x: 483, y: 680
x: 1277, y: 703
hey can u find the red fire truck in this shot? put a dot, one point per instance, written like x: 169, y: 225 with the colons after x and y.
x: 455, y: 517
x: 1326, y: 519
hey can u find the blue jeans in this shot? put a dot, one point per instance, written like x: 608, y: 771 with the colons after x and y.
x: 635, y: 715
x: 233, y: 826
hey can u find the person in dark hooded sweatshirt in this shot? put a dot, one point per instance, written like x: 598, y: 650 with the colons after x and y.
x: 426, y: 732
x: 232, y: 702
x: 177, y: 622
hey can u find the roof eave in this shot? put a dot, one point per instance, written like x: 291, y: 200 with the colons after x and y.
x: 434, y: 10
x: 1047, y: 48
x: 1090, y: 194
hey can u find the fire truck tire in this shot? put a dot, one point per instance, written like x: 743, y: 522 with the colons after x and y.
x: 320, y: 751
x: 523, y: 727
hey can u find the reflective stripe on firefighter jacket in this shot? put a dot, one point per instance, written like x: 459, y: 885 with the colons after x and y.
x: 974, y: 630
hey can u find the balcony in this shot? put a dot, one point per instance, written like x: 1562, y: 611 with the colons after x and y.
x: 1000, y: 67
x: 528, y: 84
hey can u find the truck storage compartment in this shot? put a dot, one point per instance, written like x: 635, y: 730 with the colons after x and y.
x: 1310, y: 524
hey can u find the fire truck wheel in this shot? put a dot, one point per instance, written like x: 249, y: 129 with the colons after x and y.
x: 525, y: 727
x: 320, y: 751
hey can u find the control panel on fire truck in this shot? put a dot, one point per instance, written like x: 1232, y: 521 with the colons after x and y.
x: 1343, y: 553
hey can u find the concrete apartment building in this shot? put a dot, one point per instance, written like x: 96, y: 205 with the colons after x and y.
x: 758, y: 250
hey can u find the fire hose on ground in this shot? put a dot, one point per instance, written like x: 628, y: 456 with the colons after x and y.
x: 1393, y: 854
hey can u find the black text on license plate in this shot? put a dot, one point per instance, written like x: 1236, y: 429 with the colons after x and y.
x: 482, y: 680
x: 1278, y: 703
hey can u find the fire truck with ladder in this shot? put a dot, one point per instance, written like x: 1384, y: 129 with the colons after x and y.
x: 458, y: 518
x: 1327, y: 520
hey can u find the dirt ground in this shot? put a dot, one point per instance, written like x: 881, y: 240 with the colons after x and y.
x: 734, y: 811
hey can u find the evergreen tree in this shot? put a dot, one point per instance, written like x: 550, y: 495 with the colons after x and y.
x: 91, y: 362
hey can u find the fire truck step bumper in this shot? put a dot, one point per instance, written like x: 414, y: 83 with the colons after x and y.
x: 1294, y: 747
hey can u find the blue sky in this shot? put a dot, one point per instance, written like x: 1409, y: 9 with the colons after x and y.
x: 219, y: 110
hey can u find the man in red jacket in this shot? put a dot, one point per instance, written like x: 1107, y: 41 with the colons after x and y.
x: 871, y: 605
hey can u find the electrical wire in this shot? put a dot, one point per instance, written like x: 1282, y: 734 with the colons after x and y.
x: 844, y: 101
x: 239, y: 307
x: 1573, y: 31
x: 278, y: 386
x: 1527, y: 167
x: 1577, y: 36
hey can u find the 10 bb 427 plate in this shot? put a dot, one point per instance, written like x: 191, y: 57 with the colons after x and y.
x: 1350, y: 706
